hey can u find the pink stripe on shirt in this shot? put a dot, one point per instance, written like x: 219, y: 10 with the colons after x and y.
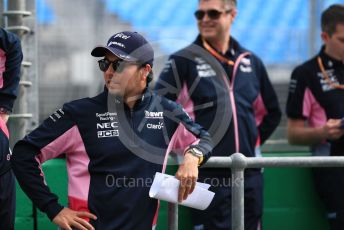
x: 313, y: 110
x: 77, y: 163
x: 2, y: 66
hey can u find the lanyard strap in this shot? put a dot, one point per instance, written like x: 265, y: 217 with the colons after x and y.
x: 327, y: 78
x: 230, y: 86
x: 216, y: 54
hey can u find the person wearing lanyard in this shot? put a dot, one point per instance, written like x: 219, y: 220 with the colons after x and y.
x: 315, y: 110
x: 227, y: 90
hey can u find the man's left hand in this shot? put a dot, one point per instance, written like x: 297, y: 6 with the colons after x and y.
x: 187, y: 174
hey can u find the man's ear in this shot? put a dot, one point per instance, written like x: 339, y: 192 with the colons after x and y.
x: 325, y: 37
x: 234, y: 13
x: 146, y: 70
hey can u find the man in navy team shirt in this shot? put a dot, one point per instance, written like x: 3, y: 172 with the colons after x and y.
x: 114, y: 144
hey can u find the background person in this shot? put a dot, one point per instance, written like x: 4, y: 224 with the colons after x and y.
x: 11, y: 57
x: 315, y: 108
x: 207, y: 77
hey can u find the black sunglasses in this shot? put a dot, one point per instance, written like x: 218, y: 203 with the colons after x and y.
x: 117, y: 66
x: 212, y: 14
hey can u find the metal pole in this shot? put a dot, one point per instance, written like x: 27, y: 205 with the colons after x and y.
x: 218, y: 162
x: 295, y: 162
x: 22, y: 111
x: 312, y: 27
x: 316, y: 7
x: 238, y: 167
x: 172, y: 216
x: 239, y: 162
x: 27, y: 99
x: 15, y: 21
x: 2, y: 9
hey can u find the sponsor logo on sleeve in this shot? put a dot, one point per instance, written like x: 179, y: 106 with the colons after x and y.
x: 57, y: 115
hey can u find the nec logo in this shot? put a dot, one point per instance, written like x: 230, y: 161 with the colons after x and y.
x: 154, y: 115
x: 107, y: 125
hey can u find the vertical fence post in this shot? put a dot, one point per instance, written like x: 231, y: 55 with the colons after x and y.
x: 238, y: 167
x: 172, y: 216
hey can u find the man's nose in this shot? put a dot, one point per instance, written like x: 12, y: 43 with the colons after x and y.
x: 110, y: 70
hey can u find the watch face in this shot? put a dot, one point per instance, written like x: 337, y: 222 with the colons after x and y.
x: 197, y: 152
x: 4, y: 111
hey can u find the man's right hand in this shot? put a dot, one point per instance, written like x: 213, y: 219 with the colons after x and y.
x: 67, y: 218
x: 332, y: 129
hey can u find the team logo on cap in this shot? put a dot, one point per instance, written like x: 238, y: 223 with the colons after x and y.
x: 116, y: 43
x: 121, y: 35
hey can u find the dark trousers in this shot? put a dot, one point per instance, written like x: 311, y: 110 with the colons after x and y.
x: 218, y: 215
x: 7, y: 200
x: 329, y: 183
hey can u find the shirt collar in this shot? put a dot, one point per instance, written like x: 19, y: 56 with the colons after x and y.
x: 233, y: 48
x: 143, y: 99
x: 328, y: 61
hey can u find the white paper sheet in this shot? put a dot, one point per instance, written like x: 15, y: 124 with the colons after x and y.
x: 165, y: 187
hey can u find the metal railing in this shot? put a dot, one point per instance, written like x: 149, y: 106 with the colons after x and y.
x: 238, y: 163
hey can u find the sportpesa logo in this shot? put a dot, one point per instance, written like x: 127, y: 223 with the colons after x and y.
x: 154, y: 115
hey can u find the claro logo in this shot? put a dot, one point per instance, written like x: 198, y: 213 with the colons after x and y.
x: 155, y: 126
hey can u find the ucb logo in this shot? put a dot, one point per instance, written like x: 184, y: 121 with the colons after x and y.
x: 154, y: 115
x: 108, y: 133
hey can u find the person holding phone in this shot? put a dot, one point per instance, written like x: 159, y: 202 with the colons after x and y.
x: 315, y: 110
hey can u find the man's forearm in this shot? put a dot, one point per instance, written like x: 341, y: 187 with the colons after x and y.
x: 305, y: 135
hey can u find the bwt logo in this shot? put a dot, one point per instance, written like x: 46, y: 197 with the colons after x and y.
x: 154, y: 115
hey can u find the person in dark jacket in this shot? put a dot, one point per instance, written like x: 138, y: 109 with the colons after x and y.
x: 315, y: 110
x: 114, y: 144
x: 227, y: 90
x: 11, y: 57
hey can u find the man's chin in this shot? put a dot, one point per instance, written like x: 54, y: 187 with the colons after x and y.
x: 115, y: 92
x: 208, y: 34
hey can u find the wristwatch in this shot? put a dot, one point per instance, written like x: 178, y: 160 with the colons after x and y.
x: 197, y: 153
x: 4, y: 111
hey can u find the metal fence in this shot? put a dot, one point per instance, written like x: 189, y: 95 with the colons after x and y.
x: 238, y: 163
